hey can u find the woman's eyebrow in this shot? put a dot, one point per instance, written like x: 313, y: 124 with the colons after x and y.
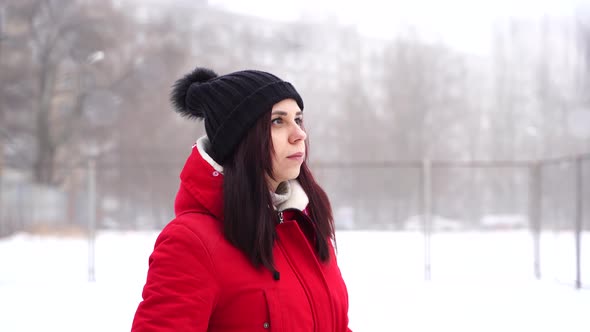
x: 283, y: 113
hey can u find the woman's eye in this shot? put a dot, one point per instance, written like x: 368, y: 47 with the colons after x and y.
x: 299, y: 121
x: 277, y: 121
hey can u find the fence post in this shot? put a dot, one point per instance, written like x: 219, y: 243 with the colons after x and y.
x: 578, y: 216
x: 426, y: 215
x: 91, y: 217
x: 535, y: 216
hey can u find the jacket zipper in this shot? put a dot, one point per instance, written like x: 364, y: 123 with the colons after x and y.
x: 306, y: 287
x: 280, y: 217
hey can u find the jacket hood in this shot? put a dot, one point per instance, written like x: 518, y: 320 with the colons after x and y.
x: 201, y: 186
x: 201, y: 183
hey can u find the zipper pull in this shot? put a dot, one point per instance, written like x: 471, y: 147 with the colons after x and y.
x: 280, y: 217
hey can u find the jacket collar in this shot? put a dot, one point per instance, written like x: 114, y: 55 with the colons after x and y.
x: 290, y: 195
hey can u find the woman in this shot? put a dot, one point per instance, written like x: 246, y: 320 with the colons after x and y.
x: 251, y: 247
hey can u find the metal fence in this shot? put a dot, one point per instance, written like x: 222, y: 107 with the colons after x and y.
x: 474, y: 215
x: 563, y: 207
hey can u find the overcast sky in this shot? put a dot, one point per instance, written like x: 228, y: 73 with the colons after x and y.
x: 463, y: 23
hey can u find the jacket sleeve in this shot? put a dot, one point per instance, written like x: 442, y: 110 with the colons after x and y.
x: 181, y: 290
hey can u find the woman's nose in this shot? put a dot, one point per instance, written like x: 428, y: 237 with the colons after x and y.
x: 298, y: 133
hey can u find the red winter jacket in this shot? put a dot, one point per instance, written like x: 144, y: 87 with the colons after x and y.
x: 198, y: 281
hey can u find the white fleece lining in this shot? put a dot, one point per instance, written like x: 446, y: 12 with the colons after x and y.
x: 203, y: 145
x: 296, y: 198
x: 281, y: 195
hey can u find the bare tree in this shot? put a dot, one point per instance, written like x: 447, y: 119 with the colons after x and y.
x: 64, y: 47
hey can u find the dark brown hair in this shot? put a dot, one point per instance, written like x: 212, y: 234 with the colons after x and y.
x: 249, y: 216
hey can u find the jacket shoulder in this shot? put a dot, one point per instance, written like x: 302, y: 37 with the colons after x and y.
x: 204, y: 226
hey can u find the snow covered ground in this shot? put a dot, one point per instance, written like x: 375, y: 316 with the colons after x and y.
x: 480, y: 282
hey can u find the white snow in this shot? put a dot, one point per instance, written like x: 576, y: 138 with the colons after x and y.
x: 480, y: 282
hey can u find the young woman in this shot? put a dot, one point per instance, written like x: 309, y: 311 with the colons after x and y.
x: 251, y: 246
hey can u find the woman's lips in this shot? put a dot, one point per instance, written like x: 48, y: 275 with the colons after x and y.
x: 296, y: 156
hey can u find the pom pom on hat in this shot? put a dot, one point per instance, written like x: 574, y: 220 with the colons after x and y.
x: 180, y: 90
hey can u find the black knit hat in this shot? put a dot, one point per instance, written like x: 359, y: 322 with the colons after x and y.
x: 229, y: 104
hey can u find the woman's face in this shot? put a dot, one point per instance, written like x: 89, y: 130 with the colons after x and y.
x: 288, y: 140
